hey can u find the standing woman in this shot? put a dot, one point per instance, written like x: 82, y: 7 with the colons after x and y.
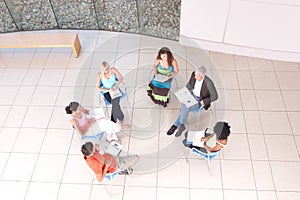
x: 108, y: 80
x: 166, y: 65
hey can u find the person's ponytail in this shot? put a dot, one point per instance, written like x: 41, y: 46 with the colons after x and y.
x: 68, y: 111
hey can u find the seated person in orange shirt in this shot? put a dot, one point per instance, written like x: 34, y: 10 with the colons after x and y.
x: 106, y: 163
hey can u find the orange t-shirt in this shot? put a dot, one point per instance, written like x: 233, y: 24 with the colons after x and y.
x: 96, y: 162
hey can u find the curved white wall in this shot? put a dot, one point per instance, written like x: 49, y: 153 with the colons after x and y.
x: 259, y: 28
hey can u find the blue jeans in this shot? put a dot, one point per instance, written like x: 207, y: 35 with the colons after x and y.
x: 184, y: 112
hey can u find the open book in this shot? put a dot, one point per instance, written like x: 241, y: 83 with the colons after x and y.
x: 97, y: 113
x: 116, y: 93
x: 194, y: 138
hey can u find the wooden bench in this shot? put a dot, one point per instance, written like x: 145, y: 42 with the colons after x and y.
x: 34, y: 40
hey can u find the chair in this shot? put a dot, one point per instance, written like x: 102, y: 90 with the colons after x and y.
x: 207, y: 156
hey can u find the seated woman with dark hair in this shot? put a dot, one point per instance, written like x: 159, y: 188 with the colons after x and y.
x: 87, y: 126
x: 215, y: 141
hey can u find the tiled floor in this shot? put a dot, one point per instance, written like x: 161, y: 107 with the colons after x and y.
x: 40, y: 153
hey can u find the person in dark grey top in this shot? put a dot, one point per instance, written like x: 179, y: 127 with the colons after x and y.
x: 204, y: 91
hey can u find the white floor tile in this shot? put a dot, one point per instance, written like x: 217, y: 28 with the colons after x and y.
x: 8, y: 189
x: 83, y: 61
x: 263, y: 175
x: 236, y: 148
x: 289, y: 80
x: 13, y: 171
x: 270, y: 195
x: 24, y: 95
x: 276, y: 152
x: 57, y: 141
x: 294, y: 118
x: 285, y: 175
x: 60, y: 119
x: 12, y: 76
x: 3, y: 160
x: 15, y: 116
x: 252, y: 122
x: 285, y: 66
x: 75, y: 192
x: 179, y: 167
x: 170, y: 193
x: 128, y: 45
x: 69, y: 94
x: 79, y: 174
x: 248, y: 100
x: 228, y: 80
x: 76, y: 77
x: 20, y: 59
x: 127, y: 61
x: 58, y: 60
x: 47, y: 191
x: 269, y: 100
x: 45, y: 96
x: 144, y: 173
x: 199, y: 171
x: 146, y: 193
x: 39, y: 59
x: 106, y: 192
x: 223, y: 61
x: 258, y: 149
x: 145, y: 143
x: 4, y: 111
x: 275, y: 123
x: 231, y: 100
x: 260, y: 64
x: 237, y: 194
x: 49, y: 168
x: 29, y: 140
x: 290, y: 100
x: 206, y: 194
x: 145, y: 119
x: 288, y: 195
x: 264, y: 80
x: 56, y: 79
x: 33, y: 117
x: 7, y: 138
x: 244, y: 80
x: 243, y: 174
x: 8, y: 94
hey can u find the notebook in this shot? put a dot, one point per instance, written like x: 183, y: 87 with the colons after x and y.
x: 194, y: 138
x: 116, y: 93
x: 114, y: 148
x: 97, y: 113
x: 185, y: 97
x: 160, y: 77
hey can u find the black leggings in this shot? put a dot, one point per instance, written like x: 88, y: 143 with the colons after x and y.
x: 116, y: 112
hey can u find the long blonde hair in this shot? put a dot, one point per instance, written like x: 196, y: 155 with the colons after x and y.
x: 103, y: 67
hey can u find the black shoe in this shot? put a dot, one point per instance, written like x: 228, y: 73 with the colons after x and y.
x: 172, y: 130
x: 185, y: 134
x: 185, y: 144
x: 180, y: 130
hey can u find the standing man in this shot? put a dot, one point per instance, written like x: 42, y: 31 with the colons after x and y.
x: 204, y: 91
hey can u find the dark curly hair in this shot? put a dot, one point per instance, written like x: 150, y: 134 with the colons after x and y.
x: 222, y: 130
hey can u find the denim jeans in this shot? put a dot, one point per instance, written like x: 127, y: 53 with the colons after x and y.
x: 184, y: 112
